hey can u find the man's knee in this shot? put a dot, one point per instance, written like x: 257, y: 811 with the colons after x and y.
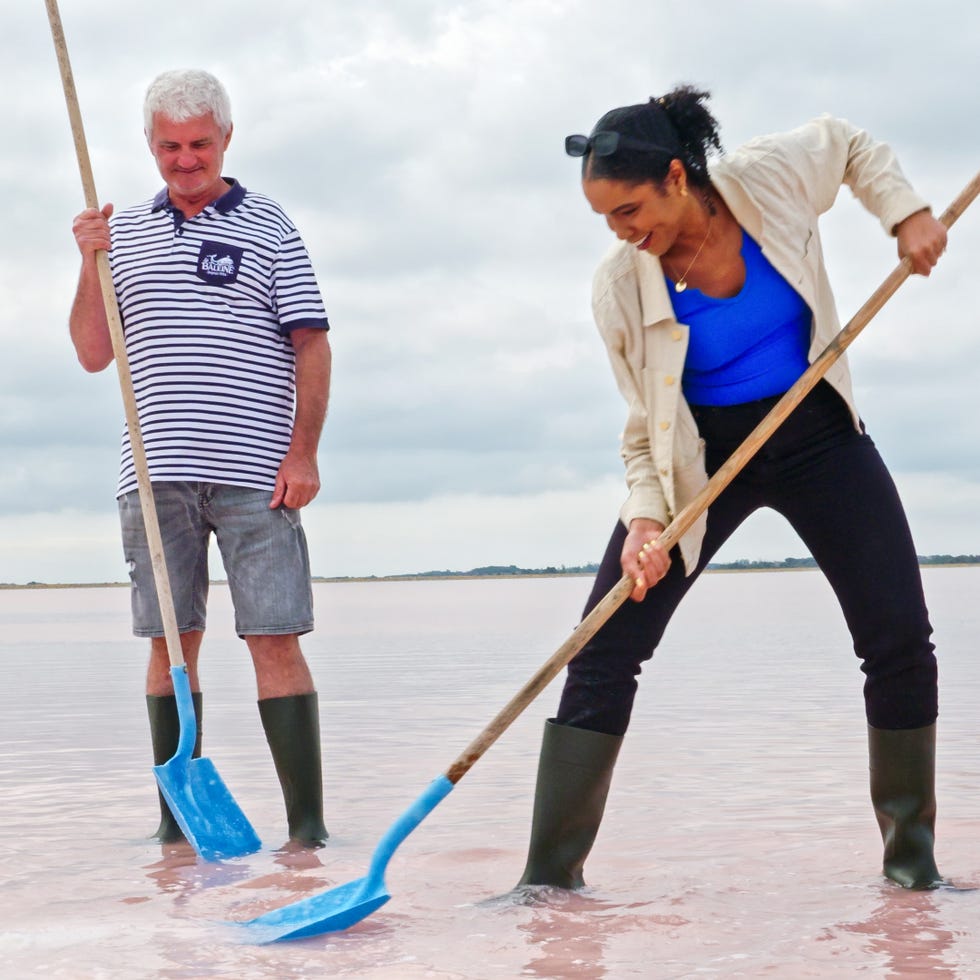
x: 281, y: 669
x: 274, y: 647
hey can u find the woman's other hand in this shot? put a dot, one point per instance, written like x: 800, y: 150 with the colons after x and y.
x: 643, y: 558
x: 922, y: 240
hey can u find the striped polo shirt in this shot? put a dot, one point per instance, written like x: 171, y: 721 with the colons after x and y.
x: 207, y: 306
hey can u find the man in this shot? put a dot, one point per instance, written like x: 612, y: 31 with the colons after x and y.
x: 226, y: 336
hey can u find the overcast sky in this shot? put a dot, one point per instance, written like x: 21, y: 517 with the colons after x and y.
x: 417, y: 144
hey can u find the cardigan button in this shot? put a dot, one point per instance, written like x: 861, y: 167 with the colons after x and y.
x: 669, y: 380
x: 664, y: 426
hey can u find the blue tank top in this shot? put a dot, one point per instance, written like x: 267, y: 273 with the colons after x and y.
x: 749, y: 346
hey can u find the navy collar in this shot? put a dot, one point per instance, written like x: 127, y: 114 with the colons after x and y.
x: 227, y: 202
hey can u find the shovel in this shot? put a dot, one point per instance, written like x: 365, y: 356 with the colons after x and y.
x: 196, y: 794
x: 204, y: 809
x: 343, y: 906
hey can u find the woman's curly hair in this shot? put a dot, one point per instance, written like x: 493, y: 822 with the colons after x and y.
x: 679, y: 120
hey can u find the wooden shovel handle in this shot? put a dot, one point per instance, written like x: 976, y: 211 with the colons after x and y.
x: 154, y: 540
x: 683, y: 522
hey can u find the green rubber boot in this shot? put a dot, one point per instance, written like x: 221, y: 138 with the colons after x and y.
x: 574, y: 773
x: 292, y: 729
x: 164, y: 735
x: 903, y: 792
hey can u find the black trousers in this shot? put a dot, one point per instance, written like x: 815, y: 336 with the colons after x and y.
x: 828, y: 480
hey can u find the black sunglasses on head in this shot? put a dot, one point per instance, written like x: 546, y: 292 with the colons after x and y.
x: 606, y: 142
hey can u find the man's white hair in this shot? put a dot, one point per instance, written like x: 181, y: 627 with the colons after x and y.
x: 186, y: 94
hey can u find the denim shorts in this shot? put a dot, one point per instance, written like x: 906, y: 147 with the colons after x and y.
x: 264, y: 553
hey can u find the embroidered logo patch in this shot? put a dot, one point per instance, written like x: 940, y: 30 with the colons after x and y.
x: 218, y: 263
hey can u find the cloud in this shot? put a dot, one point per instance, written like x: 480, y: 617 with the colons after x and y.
x: 418, y: 147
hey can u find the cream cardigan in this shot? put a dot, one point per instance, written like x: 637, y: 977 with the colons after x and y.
x: 776, y: 187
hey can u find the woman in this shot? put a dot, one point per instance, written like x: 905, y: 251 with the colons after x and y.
x: 711, y: 305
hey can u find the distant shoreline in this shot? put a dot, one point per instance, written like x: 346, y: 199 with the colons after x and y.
x: 512, y: 572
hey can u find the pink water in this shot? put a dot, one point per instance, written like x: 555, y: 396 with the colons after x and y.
x: 738, y: 842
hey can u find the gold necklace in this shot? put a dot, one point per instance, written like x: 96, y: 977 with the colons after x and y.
x: 681, y: 284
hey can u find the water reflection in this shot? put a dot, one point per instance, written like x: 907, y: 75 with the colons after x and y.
x: 907, y: 936
x: 288, y: 885
x: 738, y: 840
x: 575, y: 957
x: 179, y: 873
x: 579, y: 936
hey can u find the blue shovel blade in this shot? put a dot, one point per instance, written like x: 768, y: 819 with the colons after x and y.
x: 343, y: 906
x: 199, y: 800
x: 330, y: 911
x: 205, y: 810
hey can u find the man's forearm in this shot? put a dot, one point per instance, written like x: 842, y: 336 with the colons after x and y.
x: 87, y: 323
x: 313, y: 361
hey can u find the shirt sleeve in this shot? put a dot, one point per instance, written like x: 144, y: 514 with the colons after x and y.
x: 297, y: 295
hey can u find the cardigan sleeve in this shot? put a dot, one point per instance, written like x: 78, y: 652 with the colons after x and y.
x: 827, y: 153
x: 616, y: 308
